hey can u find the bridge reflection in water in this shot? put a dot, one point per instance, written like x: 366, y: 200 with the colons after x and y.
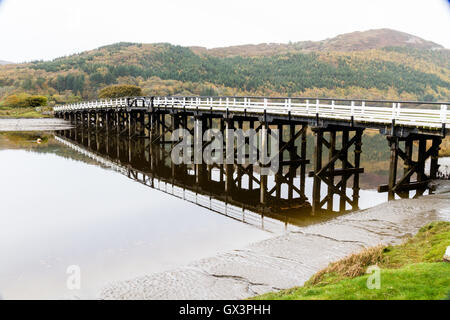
x: 269, y: 202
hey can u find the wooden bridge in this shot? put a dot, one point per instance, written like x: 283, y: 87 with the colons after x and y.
x: 337, y: 125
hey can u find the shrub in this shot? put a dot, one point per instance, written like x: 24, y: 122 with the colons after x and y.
x: 118, y: 91
x: 23, y: 100
x: 36, y: 101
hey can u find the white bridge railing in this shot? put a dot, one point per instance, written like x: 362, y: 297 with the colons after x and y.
x: 410, y: 113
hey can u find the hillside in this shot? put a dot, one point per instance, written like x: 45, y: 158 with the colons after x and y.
x: 355, y: 41
x: 2, y: 62
x: 376, y: 64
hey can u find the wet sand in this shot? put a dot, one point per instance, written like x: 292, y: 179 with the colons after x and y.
x: 46, y: 124
x: 291, y: 259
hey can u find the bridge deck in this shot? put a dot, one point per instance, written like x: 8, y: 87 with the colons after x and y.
x: 369, y: 114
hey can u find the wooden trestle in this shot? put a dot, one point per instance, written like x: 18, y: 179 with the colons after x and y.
x: 337, y: 166
x: 336, y: 156
x: 412, y: 168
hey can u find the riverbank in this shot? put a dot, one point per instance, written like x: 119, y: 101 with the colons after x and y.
x: 288, y: 260
x: 412, y: 270
x: 22, y: 113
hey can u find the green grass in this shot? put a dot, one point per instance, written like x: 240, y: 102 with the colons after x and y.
x: 413, y: 282
x: 412, y: 270
x: 12, y: 113
x: 428, y: 245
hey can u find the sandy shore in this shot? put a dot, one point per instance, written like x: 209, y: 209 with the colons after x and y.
x: 291, y: 259
x: 47, y: 124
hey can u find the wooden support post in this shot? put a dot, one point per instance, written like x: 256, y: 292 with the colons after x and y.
x: 200, y: 167
x: 292, y: 157
x: 317, y: 166
x: 357, y: 156
x: 129, y: 124
x: 331, y: 154
x: 264, y: 149
x: 163, y: 128
x: 229, y: 156
x: 107, y: 137
x: 434, y: 158
x: 407, y: 163
x: 250, y: 166
x: 97, y: 141
x: 421, y: 165
x: 342, y: 201
x: 89, y: 138
x: 82, y: 127
x: 280, y: 161
x: 393, y: 142
x: 107, y: 122
x: 129, y: 150
x: 151, y: 126
x: 303, y: 157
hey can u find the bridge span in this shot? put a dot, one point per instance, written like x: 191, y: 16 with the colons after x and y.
x: 414, y: 131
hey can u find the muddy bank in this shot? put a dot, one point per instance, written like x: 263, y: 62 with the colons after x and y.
x: 291, y: 259
x: 34, y: 124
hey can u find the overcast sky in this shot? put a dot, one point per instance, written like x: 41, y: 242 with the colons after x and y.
x: 45, y: 29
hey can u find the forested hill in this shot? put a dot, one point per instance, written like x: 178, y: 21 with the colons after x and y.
x: 376, y: 64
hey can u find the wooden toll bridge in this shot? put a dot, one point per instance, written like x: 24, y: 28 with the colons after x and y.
x: 337, y: 126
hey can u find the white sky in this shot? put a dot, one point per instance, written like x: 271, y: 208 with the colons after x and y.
x: 46, y: 29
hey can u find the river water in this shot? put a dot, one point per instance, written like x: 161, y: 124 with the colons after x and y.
x: 66, y: 206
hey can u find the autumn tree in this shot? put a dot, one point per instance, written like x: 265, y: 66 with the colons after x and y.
x: 121, y: 90
x: 36, y: 101
x: 23, y: 100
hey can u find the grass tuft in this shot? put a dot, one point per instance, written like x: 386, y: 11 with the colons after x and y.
x: 351, y: 266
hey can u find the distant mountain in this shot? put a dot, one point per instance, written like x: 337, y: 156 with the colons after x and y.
x: 374, y: 64
x: 374, y: 39
x: 355, y: 41
x: 2, y: 62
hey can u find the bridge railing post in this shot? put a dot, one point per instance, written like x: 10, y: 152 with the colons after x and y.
x: 443, y: 113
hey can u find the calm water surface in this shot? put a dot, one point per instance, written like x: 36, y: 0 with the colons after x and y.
x: 60, y: 208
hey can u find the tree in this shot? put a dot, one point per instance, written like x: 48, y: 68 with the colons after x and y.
x: 23, y: 100
x: 36, y: 101
x: 122, y: 90
x: 11, y: 101
x: 16, y: 100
